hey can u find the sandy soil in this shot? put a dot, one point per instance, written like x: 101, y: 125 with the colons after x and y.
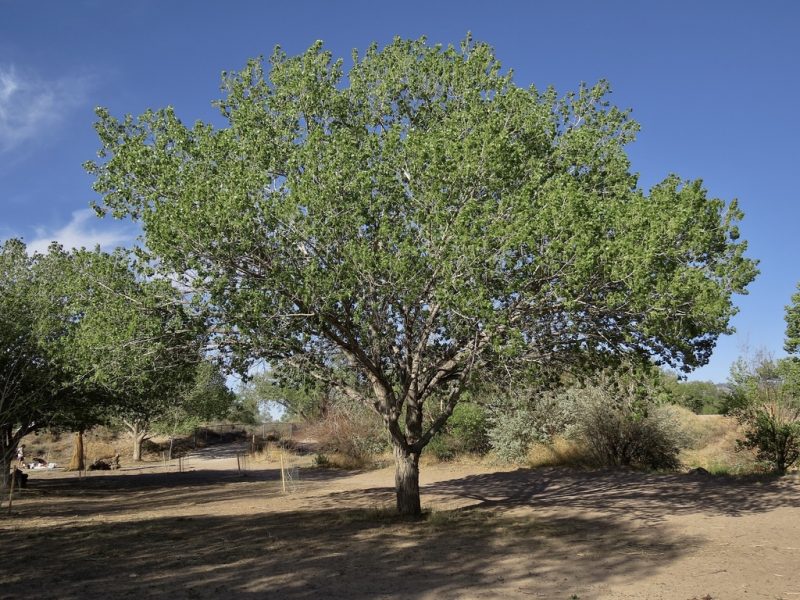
x: 213, y: 532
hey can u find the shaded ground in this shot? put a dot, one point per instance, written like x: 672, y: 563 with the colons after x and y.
x: 215, y: 532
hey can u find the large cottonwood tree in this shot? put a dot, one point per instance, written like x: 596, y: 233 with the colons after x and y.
x: 426, y: 219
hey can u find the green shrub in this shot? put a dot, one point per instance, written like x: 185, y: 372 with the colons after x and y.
x: 617, y: 434
x: 773, y: 430
x: 528, y: 416
x: 468, y: 427
x: 441, y: 446
x: 466, y: 432
x: 322, y: 461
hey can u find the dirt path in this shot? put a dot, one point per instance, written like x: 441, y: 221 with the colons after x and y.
x: 215, y: 532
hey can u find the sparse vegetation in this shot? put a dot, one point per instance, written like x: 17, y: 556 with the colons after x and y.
x: 349, y: 436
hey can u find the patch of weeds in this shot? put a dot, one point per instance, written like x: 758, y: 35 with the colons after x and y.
x: 322, y: 461
x: 374, y: 514
x: 444, y: 518
x: 722, y: 470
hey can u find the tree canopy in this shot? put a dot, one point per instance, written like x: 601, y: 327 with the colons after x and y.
x: 35, y: 386
x: 792, y: 317
x: 84, y: 339
x: 134, y: 337
x: 424, y: 218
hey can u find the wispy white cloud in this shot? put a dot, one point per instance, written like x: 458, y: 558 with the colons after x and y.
x: 80, y: 233
x: 31, y: 106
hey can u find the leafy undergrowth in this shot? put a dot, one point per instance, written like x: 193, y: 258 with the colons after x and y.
x: 707, y: 442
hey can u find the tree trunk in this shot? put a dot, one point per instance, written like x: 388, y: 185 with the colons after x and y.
x: 406, y: 481
x: 7, y: 459
x: 77, y: 462
x: 8, y: 455
x: 138, y: 436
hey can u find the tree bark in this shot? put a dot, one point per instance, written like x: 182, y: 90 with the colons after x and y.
x: 9, y: 441
x: 138, y: 436
x: 77, y: 462
x: 7, y: 455
x: 406, y: 481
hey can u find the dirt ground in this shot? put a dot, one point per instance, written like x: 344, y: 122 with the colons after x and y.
x: 212, y: 532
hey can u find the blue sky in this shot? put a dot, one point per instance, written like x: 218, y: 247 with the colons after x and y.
x: 715, y: 86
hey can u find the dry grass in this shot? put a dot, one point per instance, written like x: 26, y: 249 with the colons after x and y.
x: 559, y: 452
x: 716, y: 450
x: 709, y: 442
x: 52, y: 447
x: 338, y: 460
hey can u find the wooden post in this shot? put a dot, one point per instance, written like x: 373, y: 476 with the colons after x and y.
x: 11, y: 491
x: 283, y: 474
x: 238, y: 464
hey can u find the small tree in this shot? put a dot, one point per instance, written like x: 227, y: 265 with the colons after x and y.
x: 766, y: 398
x: 773, y: 430
x: 203, y: 399
x: 423, y: 220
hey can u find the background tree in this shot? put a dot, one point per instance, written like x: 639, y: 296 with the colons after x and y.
x: 765, y: 396
x: 39, y: 388
x: 205, y: 398
x: 84, y: 340
x: 292, y: 392
x: 701, y: 397
x: 423, y: 219
x: 792, y: 318
x: 144, y: 347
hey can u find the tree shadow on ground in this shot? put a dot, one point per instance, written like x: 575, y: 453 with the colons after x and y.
x: 624, y: 492
x: 107, y: 494
x: 546, y: 533
x: 333, y: 554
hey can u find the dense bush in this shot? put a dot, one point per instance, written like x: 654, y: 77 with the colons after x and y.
x: 616, y: 419
x: 773, y: 430
x: 466, y: 432
x: 523, y: 417
x: 617, y: 433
